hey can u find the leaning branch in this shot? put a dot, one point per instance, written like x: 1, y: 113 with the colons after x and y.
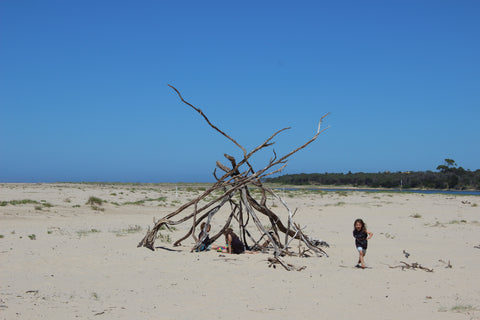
x: 208, y: 121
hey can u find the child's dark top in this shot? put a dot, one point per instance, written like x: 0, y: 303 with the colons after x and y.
x: 360, y: 238
x: 237, y: 245
x: 205, y: 241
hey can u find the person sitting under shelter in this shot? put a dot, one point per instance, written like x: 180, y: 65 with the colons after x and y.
x: 206, y: 242
x: 234, y: 244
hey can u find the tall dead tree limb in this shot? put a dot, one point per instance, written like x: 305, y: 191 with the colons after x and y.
x: 243, y: 208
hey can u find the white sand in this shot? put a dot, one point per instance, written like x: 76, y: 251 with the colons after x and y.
x: 71, y: 271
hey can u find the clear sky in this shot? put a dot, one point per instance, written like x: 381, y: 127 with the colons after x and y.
x: 84, y: 95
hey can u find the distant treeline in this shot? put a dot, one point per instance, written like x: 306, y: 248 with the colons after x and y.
x: 448, y: 177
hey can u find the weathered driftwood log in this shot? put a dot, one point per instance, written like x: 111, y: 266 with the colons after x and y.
x: 289, y: 267
x: 413, y: 266
x: 243, y: 207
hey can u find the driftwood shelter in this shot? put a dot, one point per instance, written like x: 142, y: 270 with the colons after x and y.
x: 235, y: 183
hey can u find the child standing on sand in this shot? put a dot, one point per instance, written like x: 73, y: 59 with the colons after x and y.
x: 361, y: 235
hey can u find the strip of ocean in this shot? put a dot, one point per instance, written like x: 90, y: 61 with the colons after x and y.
x: 453, y: 192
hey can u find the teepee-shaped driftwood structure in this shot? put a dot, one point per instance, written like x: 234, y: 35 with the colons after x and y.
x: 235, y: 184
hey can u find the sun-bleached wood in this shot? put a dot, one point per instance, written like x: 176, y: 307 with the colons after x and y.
x: 234, y: 188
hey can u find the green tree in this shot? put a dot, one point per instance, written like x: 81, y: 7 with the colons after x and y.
x: 448, y: 166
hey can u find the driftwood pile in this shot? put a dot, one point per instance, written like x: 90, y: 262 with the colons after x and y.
x: 233, y: 190
x: 413, y: 266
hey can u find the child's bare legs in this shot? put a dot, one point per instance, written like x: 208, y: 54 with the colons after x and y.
x: 360, y: 258
x: 361, y: 255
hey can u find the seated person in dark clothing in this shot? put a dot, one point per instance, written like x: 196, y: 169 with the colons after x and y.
x: 234, y: 244
x: 206, y: 243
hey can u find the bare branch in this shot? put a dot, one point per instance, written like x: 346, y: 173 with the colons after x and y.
x: 208, y: 121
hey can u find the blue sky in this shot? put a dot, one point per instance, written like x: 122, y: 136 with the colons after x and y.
x: 84, y: 95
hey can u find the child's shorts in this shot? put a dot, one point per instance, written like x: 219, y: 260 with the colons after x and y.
x: 360, y: 249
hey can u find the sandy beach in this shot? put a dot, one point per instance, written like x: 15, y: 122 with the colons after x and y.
x: 62, y: 258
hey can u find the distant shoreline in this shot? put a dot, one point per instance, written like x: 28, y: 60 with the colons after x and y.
x: 354, y: 188
x: 277, y: 186
x: 421, y: 191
